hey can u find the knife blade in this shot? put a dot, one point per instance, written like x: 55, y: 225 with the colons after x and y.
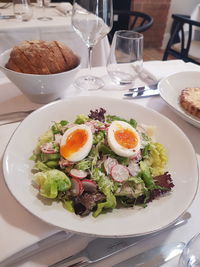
x: 155, y: 256
x: 37, y: 247
x: 142, y: 93
x: 102, y: 248
x: 7, y: 17
x: 144, y: 88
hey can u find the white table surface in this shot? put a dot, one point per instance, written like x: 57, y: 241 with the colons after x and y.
x: 19, y: 228
x: 13, y: 31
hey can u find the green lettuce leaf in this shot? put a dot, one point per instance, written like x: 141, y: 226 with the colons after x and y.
x: 111, y: 118
x: 51, y: 182
x: 106, y: 187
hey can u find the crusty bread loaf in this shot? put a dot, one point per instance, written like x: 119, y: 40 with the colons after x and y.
x: 41, y: 57
x: 190, y: 101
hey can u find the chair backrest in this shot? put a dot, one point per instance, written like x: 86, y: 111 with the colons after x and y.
x: 131, y: 20
x: 180, y: 33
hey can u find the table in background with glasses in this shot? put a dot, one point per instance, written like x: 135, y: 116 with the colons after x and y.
x: 13, y: 31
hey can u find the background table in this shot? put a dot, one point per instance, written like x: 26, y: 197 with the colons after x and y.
x: 19, y: 228
x: 13, y: 31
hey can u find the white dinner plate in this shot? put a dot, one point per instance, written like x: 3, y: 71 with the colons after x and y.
x: 170, y: 90
x: 182, y: 166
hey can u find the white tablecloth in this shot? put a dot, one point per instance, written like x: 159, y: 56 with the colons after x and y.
x: 13, y: 31
x: 19, y: 228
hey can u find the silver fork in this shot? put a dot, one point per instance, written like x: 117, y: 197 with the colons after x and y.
x: 101, y: 248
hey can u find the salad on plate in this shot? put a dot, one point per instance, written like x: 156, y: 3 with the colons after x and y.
x: 100, y: 162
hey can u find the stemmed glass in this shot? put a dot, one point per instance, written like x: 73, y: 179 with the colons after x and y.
x: 44, y: 18
x: 92, y: 20
x: 191, y: 253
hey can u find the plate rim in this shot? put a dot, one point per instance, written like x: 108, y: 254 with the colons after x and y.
x: 187, y: 117
x: 86, y: 233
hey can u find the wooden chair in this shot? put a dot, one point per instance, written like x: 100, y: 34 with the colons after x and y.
x: 130, y: 20
x: 181, y: 44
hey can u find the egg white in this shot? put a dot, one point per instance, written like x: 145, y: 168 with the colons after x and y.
x: 85, y: 149
x: 115, y: 146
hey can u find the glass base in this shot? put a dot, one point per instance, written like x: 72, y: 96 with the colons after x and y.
x: 89, y: 83
x: 44, y: 18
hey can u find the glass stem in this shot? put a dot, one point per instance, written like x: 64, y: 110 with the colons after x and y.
x: 90, y: 49
x: 43, y: 7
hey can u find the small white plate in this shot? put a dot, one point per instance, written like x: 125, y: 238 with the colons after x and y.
x: 170, y: 89
x: 120, y: 222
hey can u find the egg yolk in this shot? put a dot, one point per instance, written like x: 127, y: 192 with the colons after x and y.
x: 74, y: 142
x: 126, y: 138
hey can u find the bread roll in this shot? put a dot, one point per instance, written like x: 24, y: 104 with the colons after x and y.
x: 41, y: 57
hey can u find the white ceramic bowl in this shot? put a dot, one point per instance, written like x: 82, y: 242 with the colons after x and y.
x: 39, y: 88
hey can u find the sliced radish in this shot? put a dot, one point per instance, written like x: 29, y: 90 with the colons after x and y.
x: 77, y: 187
x: 47, y: 148
x: 89, y: 185
x: 133, y: 168
x: 78, y: 173
x: 119, y: 173
x: 65, y: 163
x: 109, y: 163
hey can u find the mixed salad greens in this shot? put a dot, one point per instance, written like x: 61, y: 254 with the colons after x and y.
x: 99, y: 179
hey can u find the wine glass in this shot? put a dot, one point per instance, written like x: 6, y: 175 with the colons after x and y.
x: 190, y: 256
x: 92, y: 20
x: 44, y: 18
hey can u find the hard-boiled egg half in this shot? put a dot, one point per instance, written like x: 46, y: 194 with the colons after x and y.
x: 123, y: 139
x: 76, y: 143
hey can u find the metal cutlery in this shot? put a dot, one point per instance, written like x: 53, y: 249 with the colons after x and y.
x: 36, y: 248
x: 7, y: 17
x: 15, y: 116
x: 142, y: 91
x: 101, y: 248
x: 155, y: 256
x: 145, y: 87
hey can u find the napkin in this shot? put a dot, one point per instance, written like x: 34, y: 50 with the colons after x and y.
x: 64, y: 8
x: 156, y: 71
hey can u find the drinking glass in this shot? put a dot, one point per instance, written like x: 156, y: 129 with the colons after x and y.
x: 126, y: 57
x: 22, y: 10
x: 43, y: 5
x: 190, y: 256
x: 92, y: 20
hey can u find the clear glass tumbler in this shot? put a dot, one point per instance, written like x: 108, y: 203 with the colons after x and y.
x: 191, y: 253
x: 126, y: 57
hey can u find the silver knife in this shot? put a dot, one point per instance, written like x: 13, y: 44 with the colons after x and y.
x: 102, y: 248
x: 37, y: 247
x: 154, y: 257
